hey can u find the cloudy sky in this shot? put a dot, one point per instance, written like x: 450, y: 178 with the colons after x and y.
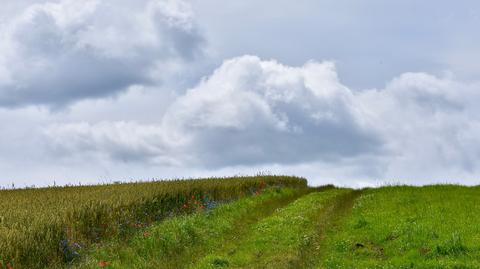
x: 355, y: 93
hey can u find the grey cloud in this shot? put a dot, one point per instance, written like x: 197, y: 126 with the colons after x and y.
x: 430, y: 125
x: 120, y: 141
x: 255, y: 113
x: 114, y: 68
x: 251, y: 111
x: 58, y: 53
x: 248, y: 112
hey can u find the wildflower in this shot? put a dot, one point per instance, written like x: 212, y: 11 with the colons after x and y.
x: 103, y: 263
x: 10, y: 264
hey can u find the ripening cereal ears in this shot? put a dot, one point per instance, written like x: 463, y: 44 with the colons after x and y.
x: 65, y: 220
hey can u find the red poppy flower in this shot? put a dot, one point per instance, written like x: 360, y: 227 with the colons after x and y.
x: 103, y: 263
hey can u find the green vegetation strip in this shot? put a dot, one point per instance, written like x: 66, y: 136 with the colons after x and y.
x: 330, y: 218
x: 408, y: 227
x: 177, y: 242
x: 41, y: 228
x: 279, y: 240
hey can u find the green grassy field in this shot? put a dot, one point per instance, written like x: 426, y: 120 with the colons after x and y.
x: 407, y: 227
x: 278, y: 222
x: 390, y: 227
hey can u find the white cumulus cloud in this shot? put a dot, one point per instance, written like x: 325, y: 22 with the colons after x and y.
x: 248, y: 111
x: 252, y: 112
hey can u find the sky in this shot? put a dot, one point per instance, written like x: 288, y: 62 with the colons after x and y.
x: 354, y: 93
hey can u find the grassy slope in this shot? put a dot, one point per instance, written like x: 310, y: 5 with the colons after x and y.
x: 277, y: 241
x: 391, y: 227
x: 178, y: 241
x: 407, y: 227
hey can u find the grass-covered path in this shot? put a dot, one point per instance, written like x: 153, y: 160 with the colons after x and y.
x: 329, y: 220
x: 272, y: 229
x: 280, y: 240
